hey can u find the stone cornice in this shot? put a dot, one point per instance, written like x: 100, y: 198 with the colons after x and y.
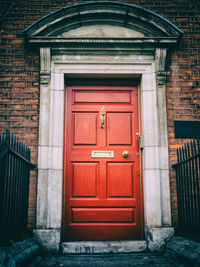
x: 103, y: 45
x: 142, y: 40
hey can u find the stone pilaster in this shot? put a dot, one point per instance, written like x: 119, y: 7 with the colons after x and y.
x: 48, y: 231
x: 160, y: 67
x: 43, y: 137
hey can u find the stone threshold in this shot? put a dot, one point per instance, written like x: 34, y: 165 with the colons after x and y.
x: 103, y: 247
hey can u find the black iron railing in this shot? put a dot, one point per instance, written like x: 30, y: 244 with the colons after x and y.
x: 188, y: 185
x: 14, y: 187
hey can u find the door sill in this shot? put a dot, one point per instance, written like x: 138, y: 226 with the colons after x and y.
x: 103, y: 247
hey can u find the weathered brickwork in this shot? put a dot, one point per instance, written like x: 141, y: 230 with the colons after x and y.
x: 19, y: 74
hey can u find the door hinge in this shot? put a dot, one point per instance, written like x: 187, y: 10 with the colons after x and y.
x: 141, y: 142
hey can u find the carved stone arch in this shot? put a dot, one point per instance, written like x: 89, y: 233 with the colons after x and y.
x: 103, y: 39
x: 103, y: 13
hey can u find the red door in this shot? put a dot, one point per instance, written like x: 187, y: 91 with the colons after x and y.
x: 101, y: 184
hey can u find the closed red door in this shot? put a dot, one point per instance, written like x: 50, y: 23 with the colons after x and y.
x: 101, y: 164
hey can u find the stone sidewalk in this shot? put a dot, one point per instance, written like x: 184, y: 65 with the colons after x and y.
x: 108, y: 260
x: 177, y: 252
x: 184, y: 250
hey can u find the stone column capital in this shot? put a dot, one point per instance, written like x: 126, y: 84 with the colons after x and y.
x: 160, y: 61
x: 45, y: 65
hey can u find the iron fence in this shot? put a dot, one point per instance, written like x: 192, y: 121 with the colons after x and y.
x: 14, y: 187
x: 188, y: 183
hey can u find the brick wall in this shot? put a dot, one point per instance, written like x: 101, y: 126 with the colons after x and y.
x: 19, y: 73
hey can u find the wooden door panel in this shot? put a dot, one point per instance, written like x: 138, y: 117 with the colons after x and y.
x: 102, y: 97
x: 84, y: 179
x: 120, y: 180
x: 83, y: 122
x: 103, y: 215
x: 97, y: 202
x: 101, y: 195
x: 103, y: 231
x: 119, y: 128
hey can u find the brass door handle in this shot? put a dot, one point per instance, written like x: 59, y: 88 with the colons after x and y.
x: 125, y: 154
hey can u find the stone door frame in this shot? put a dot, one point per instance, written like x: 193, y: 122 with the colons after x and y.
x: 54, y: 70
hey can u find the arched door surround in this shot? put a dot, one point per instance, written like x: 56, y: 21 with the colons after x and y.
x: 99, y: 40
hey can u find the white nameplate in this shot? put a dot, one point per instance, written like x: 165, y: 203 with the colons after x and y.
x: 102, y: 154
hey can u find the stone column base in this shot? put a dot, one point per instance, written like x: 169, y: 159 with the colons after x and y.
x: 157, y: 237
x: 49, y: 239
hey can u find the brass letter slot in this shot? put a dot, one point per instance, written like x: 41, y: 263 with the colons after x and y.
x: 102, y: 154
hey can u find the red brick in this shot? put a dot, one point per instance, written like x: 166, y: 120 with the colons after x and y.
x: 182, y: 19
x: 31, y: 78
x: 30, y: 101
x: 195, y: 78
x: 17, y: 118
x: 17, y: 41
x: 18, y: 62
x: 187, y: 71
x: 18, y: 84
x: 4, y: 100
x: 17, y: 106
x: 6, y: 78
x: 190, y: 83
x: 17, y: 78
x: 5, y: 46
x: 7, y: 36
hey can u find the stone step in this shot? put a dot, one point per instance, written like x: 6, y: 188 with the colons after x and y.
x: 103, y: 247
x: 107, y: 260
